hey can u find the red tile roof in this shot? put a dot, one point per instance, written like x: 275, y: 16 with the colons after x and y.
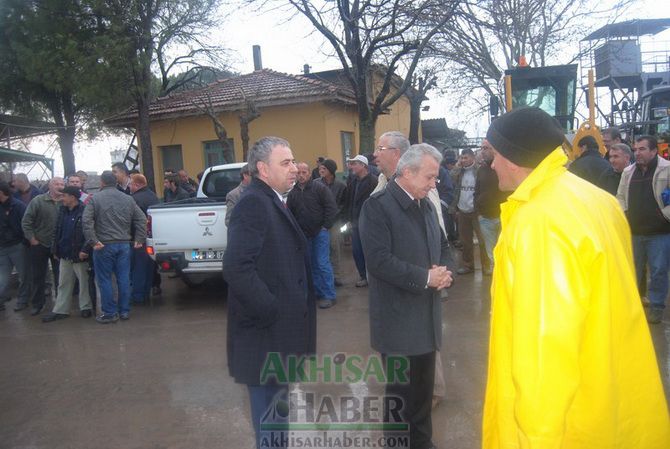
x: 263, y: 87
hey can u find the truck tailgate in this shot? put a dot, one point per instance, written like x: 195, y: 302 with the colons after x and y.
x: 188, y: 227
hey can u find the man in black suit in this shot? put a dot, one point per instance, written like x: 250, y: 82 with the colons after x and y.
x: 406, y: 257
x: 271, y: 304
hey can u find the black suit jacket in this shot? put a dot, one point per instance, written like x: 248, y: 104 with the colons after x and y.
x: 401, y: 242
x: 271, y: 304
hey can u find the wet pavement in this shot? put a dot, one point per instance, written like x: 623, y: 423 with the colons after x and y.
x: 160, y: 380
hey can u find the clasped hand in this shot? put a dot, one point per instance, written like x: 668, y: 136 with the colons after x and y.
x: 439, y: 277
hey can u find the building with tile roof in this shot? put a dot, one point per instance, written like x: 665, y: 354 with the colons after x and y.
x: 317, y: 115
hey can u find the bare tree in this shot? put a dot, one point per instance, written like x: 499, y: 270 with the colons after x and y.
x: 374, y: 38
x: 204, y: 105
x: 489, y: 36
x: 421, y: 84
x: 250, y: 113
x: 168, y: 34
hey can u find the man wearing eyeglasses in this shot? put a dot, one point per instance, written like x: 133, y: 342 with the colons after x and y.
x: 392, y: 145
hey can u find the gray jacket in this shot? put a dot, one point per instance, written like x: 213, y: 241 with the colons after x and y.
x: 39, y: 221
x: 113, y: 217
x: 232, y: 198
x: 405, y: 316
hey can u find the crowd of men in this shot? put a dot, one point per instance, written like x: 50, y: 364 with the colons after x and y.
x: 571, y: 362
x: 88, y: 240
x: 564, y: 250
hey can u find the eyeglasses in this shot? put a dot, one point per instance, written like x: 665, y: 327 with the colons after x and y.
x: 382, y: 148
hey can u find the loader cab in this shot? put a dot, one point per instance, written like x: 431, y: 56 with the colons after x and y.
x: 655, y: 117
x: 551, y: 88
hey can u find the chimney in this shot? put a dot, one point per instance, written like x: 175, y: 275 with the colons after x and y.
x: 305, y: 69
x: 258, y: 63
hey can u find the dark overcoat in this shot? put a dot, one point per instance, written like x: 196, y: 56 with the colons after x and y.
x: 401, y: 241
x: 271, y: 303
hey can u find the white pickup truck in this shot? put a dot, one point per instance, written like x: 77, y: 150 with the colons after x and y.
x: 189, y: 237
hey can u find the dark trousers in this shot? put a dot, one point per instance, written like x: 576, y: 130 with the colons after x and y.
x: 450, y: 225
x: 261, y: 399
x: 417, y: 399
x: 156, y: 279
x: 468, y: 225
x: 357, y: 250
x: 141, y: 275
x: 40, y: 256
x: 92, y: 291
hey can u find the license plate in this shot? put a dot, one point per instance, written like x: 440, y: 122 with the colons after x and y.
x: 206, y: 255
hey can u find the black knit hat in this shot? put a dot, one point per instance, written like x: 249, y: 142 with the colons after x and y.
x: 525, y: 136
x: 330, y: 165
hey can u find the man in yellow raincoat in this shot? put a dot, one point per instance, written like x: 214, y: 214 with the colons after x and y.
x: 571, y: 361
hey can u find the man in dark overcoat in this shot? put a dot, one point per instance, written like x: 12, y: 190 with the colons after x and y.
x: 406, y: 257
x: 271, y: 303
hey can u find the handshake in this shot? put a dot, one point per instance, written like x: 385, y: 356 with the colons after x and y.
x: 439, y: 277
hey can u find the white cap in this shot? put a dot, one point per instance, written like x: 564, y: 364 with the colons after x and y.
x: 360, y: 158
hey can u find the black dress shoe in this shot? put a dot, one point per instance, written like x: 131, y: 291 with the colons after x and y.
x: 36, y: 310
x: 53, y: 317
x: 86, y: 313
x: 20, y: 307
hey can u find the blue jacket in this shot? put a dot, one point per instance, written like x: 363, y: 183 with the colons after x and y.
x: 11, y: 214
x: 34, y: 191
x: 77, y: 241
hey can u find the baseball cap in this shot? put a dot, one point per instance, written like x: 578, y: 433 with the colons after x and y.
x: 360, y: 158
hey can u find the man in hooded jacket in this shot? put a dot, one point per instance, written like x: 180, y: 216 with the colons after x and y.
x: 571, y: 361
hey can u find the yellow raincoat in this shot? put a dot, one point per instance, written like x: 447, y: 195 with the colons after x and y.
x: 571, y: 361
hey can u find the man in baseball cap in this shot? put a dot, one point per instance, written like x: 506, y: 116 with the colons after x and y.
x: 363, y: 183
x: 571, y: 362
x: 360, y: 158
